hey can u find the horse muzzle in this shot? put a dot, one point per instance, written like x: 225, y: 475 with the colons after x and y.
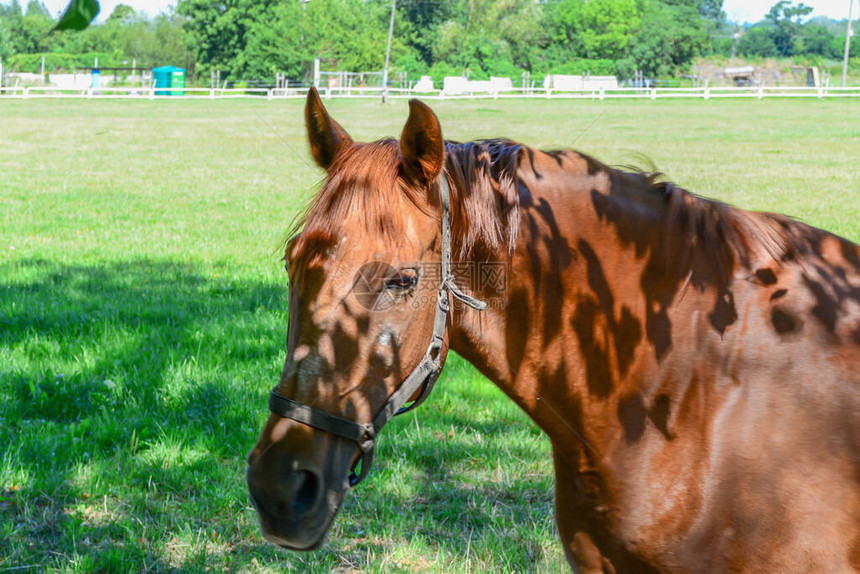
x: 295, y: 501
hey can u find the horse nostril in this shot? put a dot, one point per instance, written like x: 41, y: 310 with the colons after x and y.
x: 307, y: 488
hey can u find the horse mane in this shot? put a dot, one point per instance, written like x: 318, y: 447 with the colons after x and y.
x: 725, y: 234
x: 486, y: 203
x: 365, y: 186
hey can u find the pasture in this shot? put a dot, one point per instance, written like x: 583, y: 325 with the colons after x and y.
x: 143, y: 323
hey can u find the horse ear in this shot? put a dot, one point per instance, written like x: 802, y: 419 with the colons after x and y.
x: 421, y: 144
x: 325, y: 135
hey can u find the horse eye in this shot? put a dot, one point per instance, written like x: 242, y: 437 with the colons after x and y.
x: 403, y: 282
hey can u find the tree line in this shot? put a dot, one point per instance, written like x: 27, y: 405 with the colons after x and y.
x: 256, y: 39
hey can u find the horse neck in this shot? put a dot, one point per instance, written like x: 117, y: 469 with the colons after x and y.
x: 573, y: 323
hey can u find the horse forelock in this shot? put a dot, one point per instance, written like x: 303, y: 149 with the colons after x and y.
x: 365, y: 191
x: 362, y: 193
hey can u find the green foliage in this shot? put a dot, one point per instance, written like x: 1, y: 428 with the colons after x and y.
x: 28, y: 30
x: 123, y: 37
x: 292, y: 37
x: 785, y: 19
x: 565, y: 64
x: 817, y: 39
x: 220, y: 30
x: 670, y: 38
x: 784, y: 34
x: 599, y: 28
x: 757, y: 41
x: 257, y: 39
x: 6, y: 46
x: 486, y: 37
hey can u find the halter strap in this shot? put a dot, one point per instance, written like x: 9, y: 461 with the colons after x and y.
x: 424, y: 376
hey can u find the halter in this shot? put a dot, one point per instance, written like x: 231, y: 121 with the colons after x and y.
x: 424, y: 376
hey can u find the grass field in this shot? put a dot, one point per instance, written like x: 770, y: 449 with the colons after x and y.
x: 143, y: 322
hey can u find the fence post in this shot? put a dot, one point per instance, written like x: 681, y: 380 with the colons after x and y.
x: 269, y: 94
x: 26, y: 93
x: 601, y: 93
x: 653, y: 93
x: 760, y: 94
x: 707, y: 92
x: 211, y: 94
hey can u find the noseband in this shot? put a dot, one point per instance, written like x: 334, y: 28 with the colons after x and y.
x: 424, y: 376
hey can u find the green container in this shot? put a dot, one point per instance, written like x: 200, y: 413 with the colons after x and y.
x: 169, y: 77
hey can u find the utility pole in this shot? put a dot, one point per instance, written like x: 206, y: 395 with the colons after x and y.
x: 388, y: 55
x: 847, y: 45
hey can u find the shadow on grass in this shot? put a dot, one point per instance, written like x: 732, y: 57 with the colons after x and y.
x: 131, y: 393
x: 138, y: 381
x: 491, y: 501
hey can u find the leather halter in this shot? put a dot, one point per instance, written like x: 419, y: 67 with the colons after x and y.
x: 424, y: 376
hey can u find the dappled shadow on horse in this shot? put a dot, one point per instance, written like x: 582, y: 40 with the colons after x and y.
x: 696, y: 366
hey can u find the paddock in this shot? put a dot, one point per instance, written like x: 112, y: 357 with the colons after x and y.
x: 143, y: 319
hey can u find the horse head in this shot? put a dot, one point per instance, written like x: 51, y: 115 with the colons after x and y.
x: 363, y: 318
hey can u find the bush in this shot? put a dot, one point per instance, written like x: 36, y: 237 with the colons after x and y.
x: 439, y: 70
x: 580, y: 66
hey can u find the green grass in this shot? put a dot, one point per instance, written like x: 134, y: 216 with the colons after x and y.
x: 143, y: 319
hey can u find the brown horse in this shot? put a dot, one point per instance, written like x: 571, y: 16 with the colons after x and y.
x: 696, y: 366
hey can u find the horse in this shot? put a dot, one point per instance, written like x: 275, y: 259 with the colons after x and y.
x: 695, y: 366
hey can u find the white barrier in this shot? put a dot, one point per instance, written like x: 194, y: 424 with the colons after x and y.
x: 579, y: 83
x: 705, y: 93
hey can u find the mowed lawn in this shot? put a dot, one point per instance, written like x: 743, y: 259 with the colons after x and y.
x: 143, y: 322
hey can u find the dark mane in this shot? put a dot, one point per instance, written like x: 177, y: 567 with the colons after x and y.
x: 728, y: 234
x: 722, y: 233
x: 486, y: 203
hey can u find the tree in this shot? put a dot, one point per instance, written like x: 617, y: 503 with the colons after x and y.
x: 426, y: 17
x: 218, y: 30
x: 11, y: 22
x: 28, y: 30
x: 122, y: 14
x: 670, y: 38
x: 597, y: 29
x: 6, y: 48
x: 487, y: 37
x: 786, y: 20
x: 346, y: 35
x: 758, y: 41
x: 817, y: 39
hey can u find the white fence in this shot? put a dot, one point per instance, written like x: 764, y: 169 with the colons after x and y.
x: 705, y: 93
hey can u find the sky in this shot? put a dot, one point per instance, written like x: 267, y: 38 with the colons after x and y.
x: 754, y: 10
x: 151, y: 7
x: 736, y: 10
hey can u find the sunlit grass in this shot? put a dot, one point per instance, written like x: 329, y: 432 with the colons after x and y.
x: 143, y: 319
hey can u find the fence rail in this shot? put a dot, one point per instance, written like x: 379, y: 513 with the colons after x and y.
x: 704, y: 93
